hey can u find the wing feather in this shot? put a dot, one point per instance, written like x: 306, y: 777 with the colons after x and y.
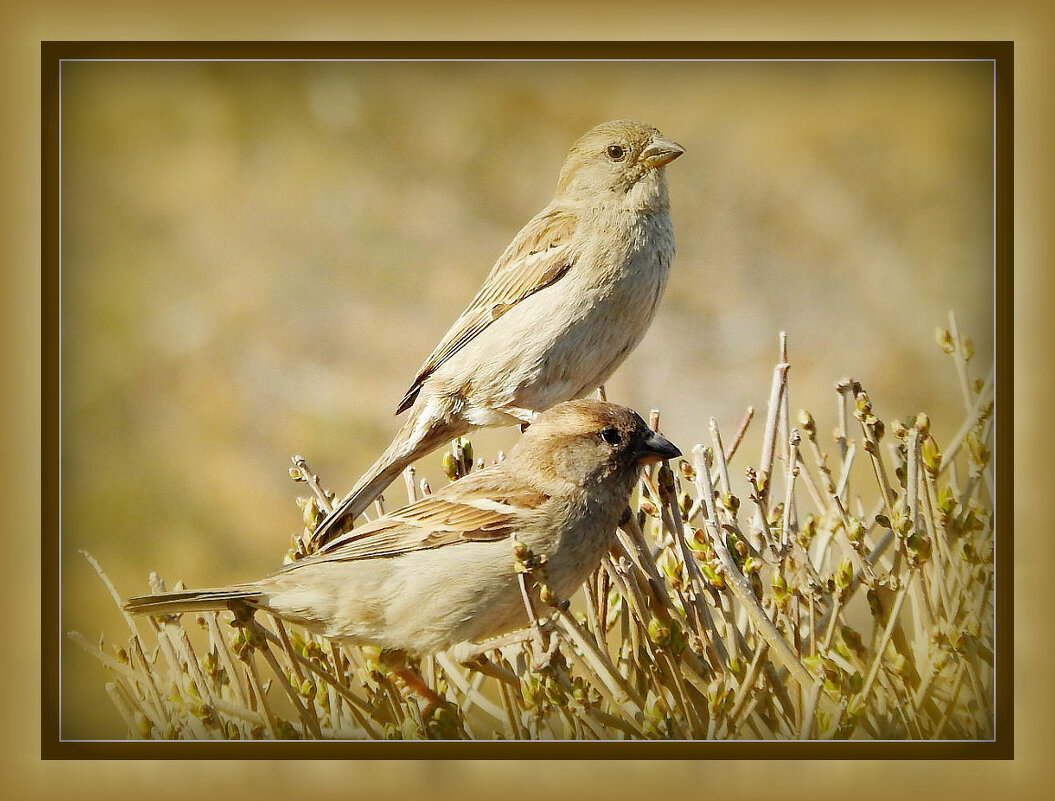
x: 538, y: 256
x: 473, y: 510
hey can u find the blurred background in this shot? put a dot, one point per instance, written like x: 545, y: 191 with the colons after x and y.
x: 257, y: 256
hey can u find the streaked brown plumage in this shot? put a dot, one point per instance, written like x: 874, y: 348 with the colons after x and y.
x: 441, y: 571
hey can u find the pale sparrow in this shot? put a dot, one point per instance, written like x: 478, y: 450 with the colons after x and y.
x: 571, y: 296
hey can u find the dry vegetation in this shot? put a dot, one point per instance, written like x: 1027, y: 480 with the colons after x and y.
x: 849, y: 595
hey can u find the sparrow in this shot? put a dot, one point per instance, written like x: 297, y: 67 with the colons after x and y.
x: 571, y: 296
x: 442, y: 571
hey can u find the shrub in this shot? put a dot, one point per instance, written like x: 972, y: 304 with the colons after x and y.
x: 848, y: 595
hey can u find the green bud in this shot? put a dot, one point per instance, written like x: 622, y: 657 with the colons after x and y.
x: 779, y: 585
x: 855, y: 532
x: 311, y: 513
x: 546, y: 595
x: 967, y: 348
x: 919, y: 546
x: 844, y: 575
x: 944, y: 339
x: 922, y: 423
x: 467, y: 455
x: 708, y: 460
x: 808, y: 424
x: 685, y: 504
x: 658, y: 633
x: 856, y: 682
x: 713, y: 577
x: 678, y: 639
x: 946, y: 500
x: 665, y: 483
x: 979, y: 454
x: 450, y: 466
x: 814, y: 664
x: 729, y: 502
x: 878, y: 429
x: 930, y: 453
x: 698, y: 541
x: 898, y: 664
x: 756, y: 584
x: 762, y: 480
x: 901, y: 474
x: 531, y: 690
x: 852, y: 639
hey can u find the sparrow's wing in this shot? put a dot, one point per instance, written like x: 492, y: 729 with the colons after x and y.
x: 447, y: 518
x: 537, y: 257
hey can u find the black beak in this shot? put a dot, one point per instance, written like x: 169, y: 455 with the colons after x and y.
x: 655, y: 448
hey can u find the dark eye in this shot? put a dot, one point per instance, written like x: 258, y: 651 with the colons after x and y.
x: 611, y: 436
x: 616, y: 152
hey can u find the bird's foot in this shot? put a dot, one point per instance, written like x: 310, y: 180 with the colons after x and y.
x: 525, y: 416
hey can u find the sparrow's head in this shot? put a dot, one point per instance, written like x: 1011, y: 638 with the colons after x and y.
x: 617, y: 157
x: 588, y: 442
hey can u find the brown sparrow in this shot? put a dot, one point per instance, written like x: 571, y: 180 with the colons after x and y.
x: 442, y: 571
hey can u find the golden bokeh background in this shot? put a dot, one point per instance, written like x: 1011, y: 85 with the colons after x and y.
x: 256, y: 257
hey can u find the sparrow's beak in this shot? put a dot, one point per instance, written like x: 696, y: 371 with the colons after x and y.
x: 655, y: 449
x: 661, y: 151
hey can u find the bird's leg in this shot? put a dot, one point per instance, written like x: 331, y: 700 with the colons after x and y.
x: 520, y: 413
x: 601, y: 394
x: 474, y: 655
x: 525, y: 416
x: 396, y: 663
x: 413, y: 680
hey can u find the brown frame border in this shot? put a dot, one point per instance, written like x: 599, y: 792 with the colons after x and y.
x: 53, y: 53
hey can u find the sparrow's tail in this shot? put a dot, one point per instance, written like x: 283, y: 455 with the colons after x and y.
x: 216, y: 599
x: 421, y: 434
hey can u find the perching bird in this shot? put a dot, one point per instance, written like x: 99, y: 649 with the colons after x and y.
x: 571, y: 296
x: 442, y: 571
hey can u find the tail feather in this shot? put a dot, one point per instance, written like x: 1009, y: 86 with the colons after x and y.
x: 421, y: 434
x: 216, y: 599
